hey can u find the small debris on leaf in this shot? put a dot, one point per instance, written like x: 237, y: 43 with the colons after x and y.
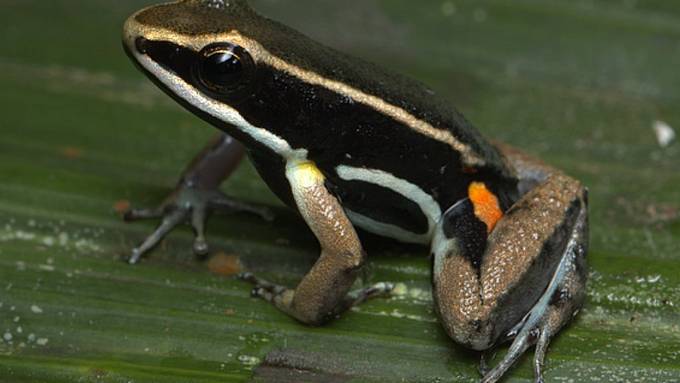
x: 665, y: 134
x: 226, y: 265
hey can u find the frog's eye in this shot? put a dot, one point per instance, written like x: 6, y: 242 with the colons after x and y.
x: 224, y: 69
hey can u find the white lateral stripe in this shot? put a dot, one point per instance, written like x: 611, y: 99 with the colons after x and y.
x: 221, y: 111
x: 385, y: 229
x: 408, y: 190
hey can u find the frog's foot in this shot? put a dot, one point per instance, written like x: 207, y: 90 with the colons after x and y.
x: 188, y: 204
x: 282, y: 297
x: 262, y: 288
x: 557, y: 306
x: 360, y: 296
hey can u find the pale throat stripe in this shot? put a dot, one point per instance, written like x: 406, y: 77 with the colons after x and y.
x: 222, y: 111
x: 386, y: 229
x: 408, y: 190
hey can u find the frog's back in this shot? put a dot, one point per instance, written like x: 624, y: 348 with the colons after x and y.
x: 394, y: 152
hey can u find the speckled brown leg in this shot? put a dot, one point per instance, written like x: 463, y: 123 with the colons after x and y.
x: 530, y: 279
x: 196, y: 195
x: 559, y: 303
x: 323, y: 292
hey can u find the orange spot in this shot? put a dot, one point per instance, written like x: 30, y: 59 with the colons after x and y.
x: 226, y: 265
x: 486, y: 204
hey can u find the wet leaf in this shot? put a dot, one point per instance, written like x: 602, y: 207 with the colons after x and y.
x: 579, y: 83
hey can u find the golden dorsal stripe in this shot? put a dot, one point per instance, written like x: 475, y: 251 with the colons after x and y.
x: 260, y: 54
x: 468, y: 157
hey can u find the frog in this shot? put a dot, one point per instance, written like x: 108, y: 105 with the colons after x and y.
x: 350, y: 146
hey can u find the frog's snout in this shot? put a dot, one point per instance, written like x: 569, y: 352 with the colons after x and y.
x: 131, y: 36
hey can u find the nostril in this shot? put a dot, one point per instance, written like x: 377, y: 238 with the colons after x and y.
x: 141, y: 44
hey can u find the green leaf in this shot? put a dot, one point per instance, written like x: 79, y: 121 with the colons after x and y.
x: 578, y: 83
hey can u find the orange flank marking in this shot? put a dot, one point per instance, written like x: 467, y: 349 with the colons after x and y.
x: 486, y: 205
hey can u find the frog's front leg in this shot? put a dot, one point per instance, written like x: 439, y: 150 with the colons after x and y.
x: 196, y: 195
x: 525, y: 280
x: 323, y: 292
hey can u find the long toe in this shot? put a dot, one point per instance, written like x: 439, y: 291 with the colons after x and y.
x: 198, y: 219
x: 200, y: 247
x: 381, y: 288
x: 539, y: 354
x: 169, y: 222
x: 518, y: 347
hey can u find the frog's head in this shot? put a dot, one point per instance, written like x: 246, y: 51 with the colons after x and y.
x: 208, y: 55
x: 195, y: 45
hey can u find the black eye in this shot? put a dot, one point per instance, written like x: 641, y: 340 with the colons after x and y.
x: 221, y: 69
x: 225, y: 69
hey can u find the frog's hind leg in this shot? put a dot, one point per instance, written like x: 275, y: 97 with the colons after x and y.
x: 519, y: 274
x: 560, y: 302
x: 196, y: 195
x: 565, y: 294
x: 324, y: 292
